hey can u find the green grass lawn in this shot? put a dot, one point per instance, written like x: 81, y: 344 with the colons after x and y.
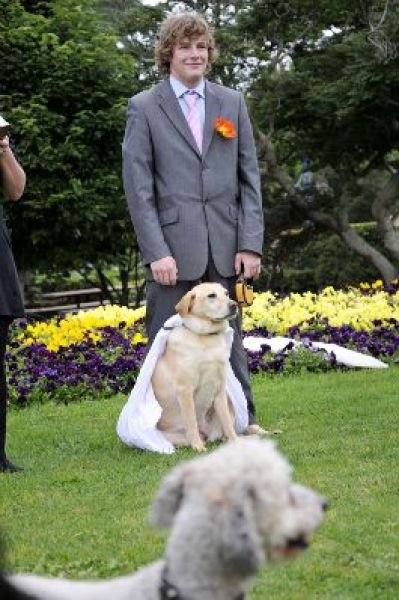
x: 80, y: 506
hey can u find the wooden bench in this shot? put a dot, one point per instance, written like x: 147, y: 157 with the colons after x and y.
x: 62, y: 309
x: 75, y: 296
x: 74, y: 300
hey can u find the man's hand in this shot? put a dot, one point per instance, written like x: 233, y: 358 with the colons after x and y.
x: 164, y: 270
x: 249, y: 263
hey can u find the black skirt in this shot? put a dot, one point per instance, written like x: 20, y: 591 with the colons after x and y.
x: 11, y: 303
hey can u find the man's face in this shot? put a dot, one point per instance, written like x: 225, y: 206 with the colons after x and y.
x: 190, y: 60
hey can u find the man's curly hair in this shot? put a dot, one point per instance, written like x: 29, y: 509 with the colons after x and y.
x: 173, y: 30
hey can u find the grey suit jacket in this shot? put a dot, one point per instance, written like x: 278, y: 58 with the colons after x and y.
x: 182, y: 202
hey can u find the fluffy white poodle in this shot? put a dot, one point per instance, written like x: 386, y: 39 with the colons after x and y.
x: 230, y: 513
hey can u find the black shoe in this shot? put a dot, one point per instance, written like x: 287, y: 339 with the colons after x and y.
x: 7, y: 466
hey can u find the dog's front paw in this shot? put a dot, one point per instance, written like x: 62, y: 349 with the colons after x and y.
x: 198, y: 446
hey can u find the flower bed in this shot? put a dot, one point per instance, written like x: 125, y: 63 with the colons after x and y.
x: 99, y: 352
x: 357, y: 308
x: 364, y: 319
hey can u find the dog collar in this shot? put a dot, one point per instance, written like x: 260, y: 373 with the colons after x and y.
x: 185, y: 326
x: 168, y: 591
x: 211, y: 333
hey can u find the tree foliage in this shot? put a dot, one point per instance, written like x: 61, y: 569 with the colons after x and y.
x: 66, y: 85
x: 327, y: 95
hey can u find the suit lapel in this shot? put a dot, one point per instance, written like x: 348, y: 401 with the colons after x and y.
x: 170, y: 105
x: 212, y: 112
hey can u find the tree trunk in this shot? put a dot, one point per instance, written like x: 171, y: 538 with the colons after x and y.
x: 105, y: 285
x: 124, y: 293
x: 383, y: 209
x: 139, y: 286
x: 25, y: 280
x: 358, y: 244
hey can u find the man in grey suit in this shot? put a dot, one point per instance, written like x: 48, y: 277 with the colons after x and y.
x: 192, y: 182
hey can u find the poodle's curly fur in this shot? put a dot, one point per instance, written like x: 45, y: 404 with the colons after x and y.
x: 229, y: 513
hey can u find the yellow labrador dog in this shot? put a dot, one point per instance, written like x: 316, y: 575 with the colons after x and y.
x: 189, y: 380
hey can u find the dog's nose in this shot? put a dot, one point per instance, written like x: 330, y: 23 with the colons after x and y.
x: 325, y: 504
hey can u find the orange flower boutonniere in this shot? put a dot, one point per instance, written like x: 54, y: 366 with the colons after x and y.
x: 225, y: 128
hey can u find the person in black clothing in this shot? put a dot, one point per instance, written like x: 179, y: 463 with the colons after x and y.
x: 12, y: 182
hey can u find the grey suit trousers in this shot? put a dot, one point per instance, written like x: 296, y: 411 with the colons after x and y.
x: 161, y: 302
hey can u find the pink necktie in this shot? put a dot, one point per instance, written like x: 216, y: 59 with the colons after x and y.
x: 193, y: 117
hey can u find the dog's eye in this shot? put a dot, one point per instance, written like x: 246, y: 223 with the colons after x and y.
x: 212, y: 295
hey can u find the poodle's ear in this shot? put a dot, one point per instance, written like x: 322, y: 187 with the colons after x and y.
x: 241, y: 550
x: 168, y: 499
x: 185, y: 304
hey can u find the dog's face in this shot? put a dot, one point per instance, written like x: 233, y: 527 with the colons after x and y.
x: 208, y: 301
x: 244, y: 488
x: 287, y: 521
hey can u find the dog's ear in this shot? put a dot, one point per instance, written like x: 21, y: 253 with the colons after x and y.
x: 169, y: 497
x: 240, y: 546
x: 184, y: 306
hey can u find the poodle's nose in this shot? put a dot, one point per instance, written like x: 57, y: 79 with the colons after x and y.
x: 325, y: 504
